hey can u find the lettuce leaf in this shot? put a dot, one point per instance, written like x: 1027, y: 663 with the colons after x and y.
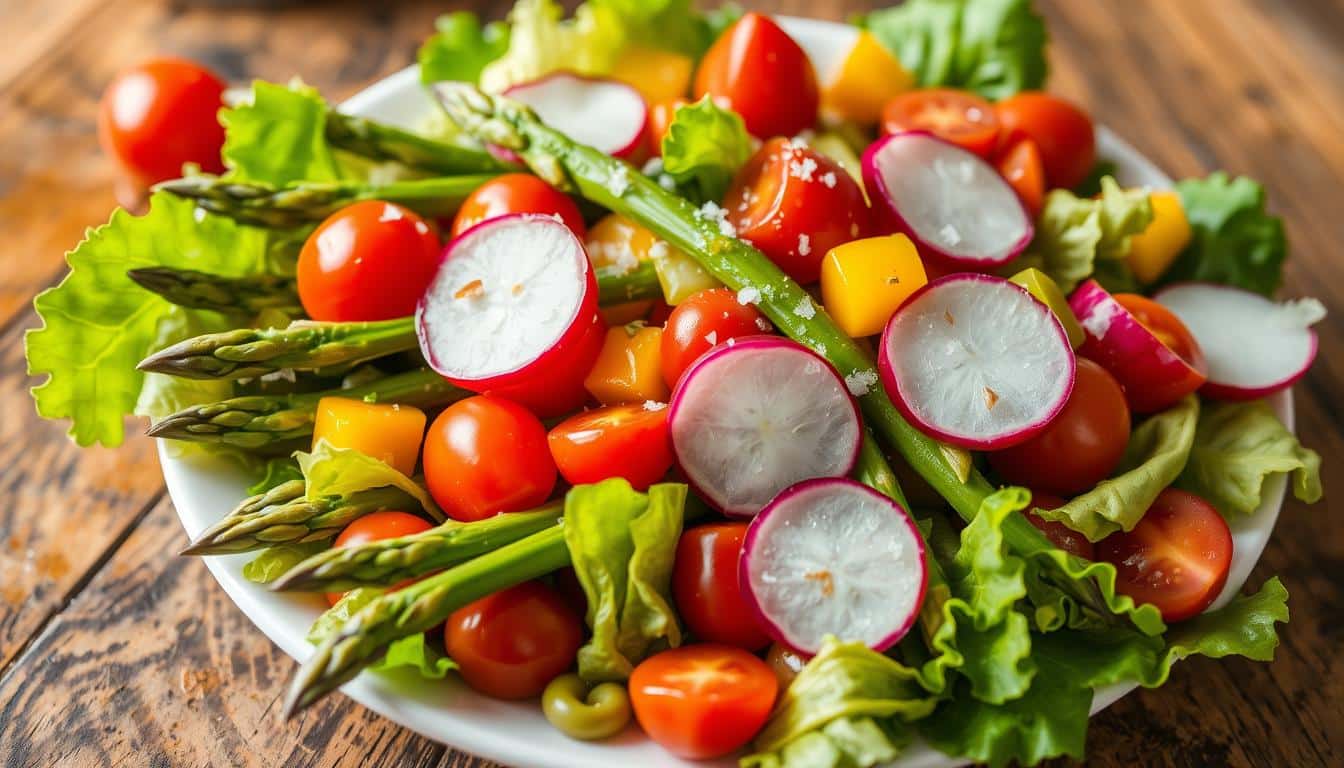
x: 1053, y: 574
x: 275, y: 472
x: 332, y: 471
x: 1235, y: 241
x: 841, y: 743
x: 541, y: 40
x: 278, y: 136
x: 704, y: 147
x: 460, y: 48
x: 1074, y: 234
x: 672, y: 25
x: 1236, y: 447
x: 414, y: 651
x: 274, y: 562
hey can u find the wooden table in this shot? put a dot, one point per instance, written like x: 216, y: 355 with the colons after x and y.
x: 114, y: 651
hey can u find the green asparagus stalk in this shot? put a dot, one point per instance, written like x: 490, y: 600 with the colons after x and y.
x: 235, y: 295
x: 617, y: 286
x: 385, y: 143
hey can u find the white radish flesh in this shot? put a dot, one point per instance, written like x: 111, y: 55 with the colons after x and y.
x: 605, y: 114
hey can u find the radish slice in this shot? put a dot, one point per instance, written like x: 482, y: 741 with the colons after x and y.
x: 976, y: 361
x: 605, y: 114
x: 751, y: 419
x: 833, y: 557
x: 1253, y: 346
x: 954, y: 205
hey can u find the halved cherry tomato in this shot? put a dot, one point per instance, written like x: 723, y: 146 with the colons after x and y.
x: 702, y: 701
x: 377, y: 526
x: 1081, y: 446
x: 758, y: 71
x: 795, y: 204
x: 629, y: 441
x: 517, y: 193
x: 1020, y: 165
x: 1062, y: 132
x: 1176, y: 558
x: 511, y: 644
x: 485, y: 455
x: 706, y: 319
x: 1168, y: 328
x: 160, y: 114
x: 704, y: 584
x: 368, y: 261
x: 1059, y: 534
x: 960, y: 117
x: 661, y: 116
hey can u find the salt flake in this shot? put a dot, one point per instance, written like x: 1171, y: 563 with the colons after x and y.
x: 861, y: 383
x: 748, y: 295
x: 805, y: 309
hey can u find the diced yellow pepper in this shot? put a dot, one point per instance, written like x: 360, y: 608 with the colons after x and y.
x: 680, y: 276
x: 618, y: 243
x: 389, y: 433
x: 630, y: 368
x: 1047, y: 292
x: 868, y: 78
x: 658, y: 75
x: 1152, y: 251
x: 863, y: 282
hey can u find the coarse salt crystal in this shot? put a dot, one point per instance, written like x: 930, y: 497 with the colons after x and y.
x: 748, y: 295
x: 804, y: 245
x: 653, y: 167
x: 667, y: 182
x: 829, y: 179
x: 712, y: 337
x: 805, y: 309
x: 619, y: 181
x: 658, y: 250
x: 861, y: 383
x: 803, y: 169
x: 654, y: 405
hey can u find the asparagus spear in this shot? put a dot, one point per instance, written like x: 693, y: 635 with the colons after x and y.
x: 381, y: 142
x: 238, y: 295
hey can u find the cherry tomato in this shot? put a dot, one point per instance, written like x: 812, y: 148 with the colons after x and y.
x: 1081, y: 446
x: 661, y: 116
x: 377, y: 526
x: 1168, y: 328
x: 1176, y: 558
x: 485, y: 455
x: 1020, y: 165
x: 1059, y: 534
x: 702, y: 701
x: 795, y: 204
x: 511, y: 644
x: 960, y: 117
x: 368, y: 261
x: 1062, y: 132
x: 703, y: 321
x: 758, y: 71
x: 629, y: 441
x: 517, y: 193
x: 160, y: 114
x: 704, y: 583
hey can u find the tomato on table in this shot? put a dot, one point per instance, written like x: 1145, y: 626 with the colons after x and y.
x: 1059, y: 534
x: 485, y: 455
x: 959, y: 117
x: 1176, y: 558
x: 517, y: 193
x: 509, y: 645
x: 661, y: 115
x: 378, y: 526
x: 703, y: 321
x: 704, y: 584
x: 1062, y: 132
x: 160, y: 114
x: 1168, y: 328
x: 629, y: 441
x: 758, y: 71
x: 702, y: 701
x: 1020, y: 165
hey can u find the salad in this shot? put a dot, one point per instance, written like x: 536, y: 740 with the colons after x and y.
x: 790, y: 411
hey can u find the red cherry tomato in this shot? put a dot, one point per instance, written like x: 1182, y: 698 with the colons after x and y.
x: 368, y: 261
x: 486, y: 455
x: 1081, y: 446
x: 1020, y: 165
x: 795, y: 204
x: 758, y: 71
x: 160, y: 114
x: 702, y: 321
x: 1059, y: 534
x: 1176, y: 558
x: 629, y: 441
x: 377, y: 526
x: 661, y: 116
x: 1063, y: 133
x: 960, y: 117
x: 704, y: 583
x: 702, y: 701
x: 1168, y: 328
x: 517, y: 193
x: 511, y: 644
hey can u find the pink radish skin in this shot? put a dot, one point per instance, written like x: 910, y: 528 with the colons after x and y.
x: 907, y: 171
x: 1014, y: 337
x: 1254, y: 347
x: 862, y: 544
x: 770, y: 454
x: 608, y: 115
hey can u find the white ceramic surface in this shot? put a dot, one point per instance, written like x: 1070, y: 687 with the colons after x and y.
x: 516, y: 734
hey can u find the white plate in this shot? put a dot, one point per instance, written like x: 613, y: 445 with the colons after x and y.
x: 516, y: 734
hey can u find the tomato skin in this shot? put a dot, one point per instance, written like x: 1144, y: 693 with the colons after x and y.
x: 795, y: 204
x: 758, y: 71
x: 703, y: 321
x: 1176, y: 558
x: 1020, y: 165
x: 509, y: 645
x: 1081, y: 447
x: 629, y: 441
x: 959, y: 117
x: 705, y: 586
x: 1059, y: 534
x: 485, y: 455
x: 1149, y: 395
x: 377, y: 526
x: 517, y: 193
x: 702, y: 701
x: 1063, y: 133
x: 661, y: 116
x: 160, y: 114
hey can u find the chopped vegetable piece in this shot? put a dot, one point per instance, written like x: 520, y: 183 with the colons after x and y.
x: 1154, y: 250
x: 868, y: 78
x: 703, y: 321
x: 1021, y: 166
x: 387, y: 432
x: 606, y: 114
x: 957, y: 117
x: 1061, y: 131
x: 679, y: 275
x: 1047, y: 292
x: 863, y: 282
x: 752, y: 64
x: 617, y: 245
x: 626, y: 441
x: 657, y: 74
x: 629, y: 368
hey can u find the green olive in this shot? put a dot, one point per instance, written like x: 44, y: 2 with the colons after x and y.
x: 581, y: 713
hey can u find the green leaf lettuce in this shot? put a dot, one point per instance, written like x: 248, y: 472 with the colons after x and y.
x: 331, y: 471
x: 704, y: 147
x: 278, y: 136
x: 1235, y: 241
x: 1076, y: 235
x: 460, y: 48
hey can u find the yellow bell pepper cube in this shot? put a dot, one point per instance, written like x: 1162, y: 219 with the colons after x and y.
x: 630, y: 368
x: 658, y: 75
x: 1152, y: 251
x: 1047, y: 292
x: 863, y: 282
x: 390, y: 433
x: 679, y: 275
x: 617, y: 243
x: 868, y: 78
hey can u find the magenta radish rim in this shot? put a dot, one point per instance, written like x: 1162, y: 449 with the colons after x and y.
x: 709, y: 356
x: 636, y: 142
x: 880, y: 198
x: 893, y: 385
x: 783, y: 497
